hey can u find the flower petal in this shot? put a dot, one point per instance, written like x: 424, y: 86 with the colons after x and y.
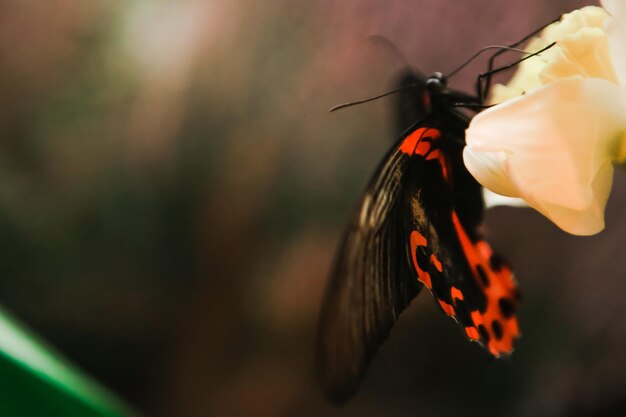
x: 584, y: 53
x: 582, y: 48
x: 584, y: 222
x: 572, y: 22
x: 616, y: 32
x: 552, y: 147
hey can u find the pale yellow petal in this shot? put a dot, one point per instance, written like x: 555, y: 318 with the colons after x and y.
x: 586, y: 17
x: 553, y: 145
x: 584, y: 53
x: 582, y: 48
x: 616, y: 32
x: 583, y: 222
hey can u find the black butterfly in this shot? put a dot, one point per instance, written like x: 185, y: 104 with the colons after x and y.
x: 417, y: 224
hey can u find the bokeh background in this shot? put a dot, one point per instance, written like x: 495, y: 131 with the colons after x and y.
x: 172, y: 191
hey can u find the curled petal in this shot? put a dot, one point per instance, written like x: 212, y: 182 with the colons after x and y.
x: 584, y: 53
x: 582, y: 48
x: 586, y: 17
x: 553, y: 147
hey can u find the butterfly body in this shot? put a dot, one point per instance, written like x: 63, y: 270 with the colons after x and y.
x: 417, y: 225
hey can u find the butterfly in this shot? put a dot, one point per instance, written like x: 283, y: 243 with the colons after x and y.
x: 417, y: 225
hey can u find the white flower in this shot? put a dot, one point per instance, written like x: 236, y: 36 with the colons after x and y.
x: 554, y: 144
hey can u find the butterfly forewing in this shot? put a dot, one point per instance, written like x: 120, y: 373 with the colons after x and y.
x: 371, y: 284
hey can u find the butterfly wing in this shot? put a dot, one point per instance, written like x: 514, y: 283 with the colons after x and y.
x: 371, y: 284
x: 469, y: 281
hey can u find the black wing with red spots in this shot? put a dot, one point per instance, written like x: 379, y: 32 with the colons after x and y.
x: 450, y: 257
x: 417, y: 223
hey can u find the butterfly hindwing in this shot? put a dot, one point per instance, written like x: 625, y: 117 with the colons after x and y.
x: 467, y: 279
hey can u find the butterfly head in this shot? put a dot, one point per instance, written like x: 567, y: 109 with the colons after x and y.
x: 436, y: 83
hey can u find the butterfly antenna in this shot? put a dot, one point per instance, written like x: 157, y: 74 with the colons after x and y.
x: 521, y: 41
x: 482, y: 89
x: 491, y: 72
x: 501, y: 48
x: 487, y: 75
x: 354, y: 103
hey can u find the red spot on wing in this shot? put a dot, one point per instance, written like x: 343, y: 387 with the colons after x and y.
x: 455, y: 293
x: 436, y: 154
x: 423, y: 148
x: 472, y: 333
x: 417, y: 240
x: 435, y: 261
x: 447, y: 308
x: 414, y: 144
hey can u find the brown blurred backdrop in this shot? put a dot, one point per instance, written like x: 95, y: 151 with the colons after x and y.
x: 172, y: 190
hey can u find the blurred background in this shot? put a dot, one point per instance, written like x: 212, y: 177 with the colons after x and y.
x: 173, y: 189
